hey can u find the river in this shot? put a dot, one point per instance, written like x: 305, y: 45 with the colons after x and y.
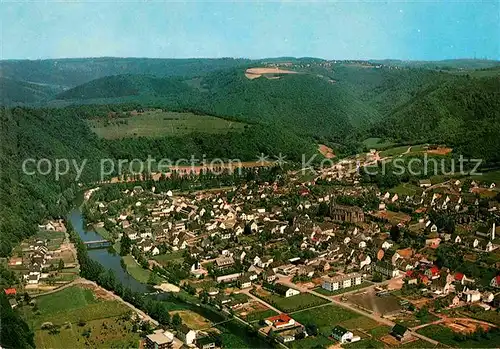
x: 233, y: 334
x: 104, y: 256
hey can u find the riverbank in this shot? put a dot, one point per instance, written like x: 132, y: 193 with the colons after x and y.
x: 131, y: 291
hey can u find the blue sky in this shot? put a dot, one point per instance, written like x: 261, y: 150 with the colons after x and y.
x: 331, y: 30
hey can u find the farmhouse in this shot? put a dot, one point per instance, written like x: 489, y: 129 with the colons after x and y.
x: 285, y: 291
x: 186, y: 334
x: 401, y: 333
x: 341, y: 334
x: 280, y: 321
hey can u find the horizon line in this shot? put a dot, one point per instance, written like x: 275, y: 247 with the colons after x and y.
x: 256, y: 59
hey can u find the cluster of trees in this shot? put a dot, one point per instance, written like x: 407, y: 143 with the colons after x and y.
x: 463, y: 113
x: 14, y: 332
x: 453, y: 257
x: 493, y: 335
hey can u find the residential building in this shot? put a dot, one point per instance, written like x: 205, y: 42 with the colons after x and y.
x: 341, y: 281
x: 342, y: 335
x: 224, y: 262
x: 386, y: 269
x: 159, y: 340
x: 206, y: 342
x: 186, y: 334
x: 285, y: 291
x: 280, y: 321
x: 401, y: 333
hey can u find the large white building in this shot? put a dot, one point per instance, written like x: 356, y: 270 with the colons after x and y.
x: 341, y: 281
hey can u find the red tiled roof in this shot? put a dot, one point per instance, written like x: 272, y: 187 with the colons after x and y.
x: 279, y: 319
x: 10, y: 291
x: 459, y: 276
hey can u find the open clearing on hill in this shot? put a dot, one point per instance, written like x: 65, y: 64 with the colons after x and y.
x: 253, y: 73
x: 440, y: 151
x: 377, y: 143
x: 326, y: 151
x: 161, y: 123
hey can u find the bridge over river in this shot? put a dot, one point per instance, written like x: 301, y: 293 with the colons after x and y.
x: 97, y: 244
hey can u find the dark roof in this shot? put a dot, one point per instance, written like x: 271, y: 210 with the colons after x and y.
x: 281, y: 289
x: 205, y: 340
x: 339, y: 331
x: 184, y: 329
x: 399, y: 330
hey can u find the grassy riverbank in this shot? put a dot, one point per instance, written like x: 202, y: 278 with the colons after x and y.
x: 87, y: 320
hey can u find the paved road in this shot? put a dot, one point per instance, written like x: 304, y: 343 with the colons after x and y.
x: 286, y: 281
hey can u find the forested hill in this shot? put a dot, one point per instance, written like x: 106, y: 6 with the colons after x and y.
x: 463, y: 112
x: 76, y: 71
x: 127, y: 85
x: 303, y: 103
x: 20, y: 92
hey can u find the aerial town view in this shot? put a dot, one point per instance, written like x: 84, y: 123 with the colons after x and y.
x: 272, y: 184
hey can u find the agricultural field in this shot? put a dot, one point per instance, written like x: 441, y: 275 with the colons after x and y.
x: 159, y: 124
x: 371, y: 338
x: 235, y: 335
x: 319, y: 341
x: 382, y: 305
x: 254, y: 311
x: 203, y: 284
x: 176, y: 257
x: 291, y: 304
x: 325, y: 318
x: 447, y: 336
x: 488, y: 177
x: 193, y: 320
x: 406, y: 189
x: 480, y: 314
x: 377, y: 143
x: 86, y: 320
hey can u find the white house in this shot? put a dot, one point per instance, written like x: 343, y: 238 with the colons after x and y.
x: 186, y: 334
x: 342, y: 335
x: 471, y: 296
x: 155, y: 251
